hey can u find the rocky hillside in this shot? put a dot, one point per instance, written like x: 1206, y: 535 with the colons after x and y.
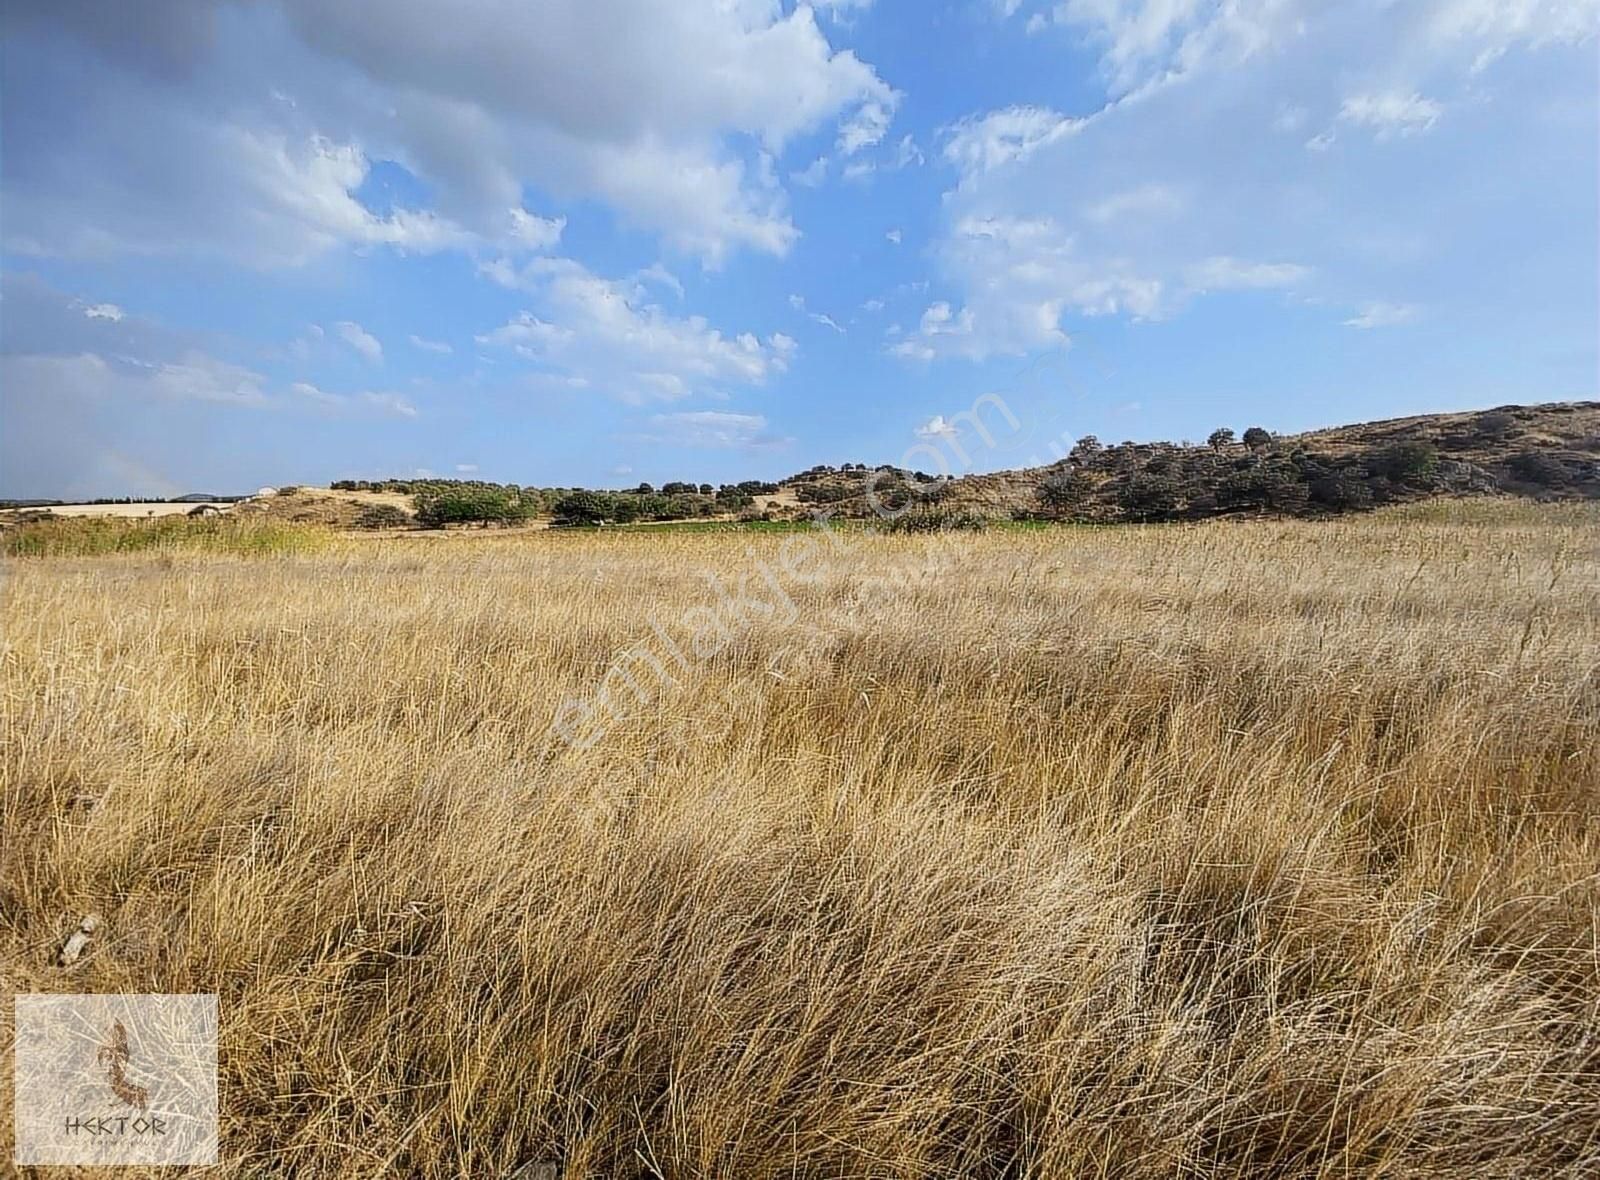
x: 1547, y: 451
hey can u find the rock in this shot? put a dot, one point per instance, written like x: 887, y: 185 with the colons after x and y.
x: 77, y: 940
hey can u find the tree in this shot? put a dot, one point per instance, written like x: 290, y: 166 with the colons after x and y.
x: 583, y: 508
x: 1257, y: 439
x: 677, y: 488
x: 1219, y: 438
x: 644, y: 489
x: 470, y: 504
x: 1086, y: 447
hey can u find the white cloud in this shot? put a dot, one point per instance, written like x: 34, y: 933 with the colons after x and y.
x: 467, y: 468
x: 1175, y: 187
x: 827, y: 321
x: 712, y: 429
x: 103, y: 311
x: 427, y: 345
x: 982, y: 143
x: 872, y: 305
x: 577, y: 102
x: 1392, y: 113
x: 608, y: 333
x: 389, y: 403
x: 1222, y: 273
x: 937, y: 426
x: 869, y: 124
x: 1021, y: 276
x: 894, y: 236
x: 813, y: 174
x: 907, y: 153
x: 661, y: 276
x: 360, y: 339
x: 1383, y: 315
x: 1148, y: 200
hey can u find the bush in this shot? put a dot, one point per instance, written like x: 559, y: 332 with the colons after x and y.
x: 470, y: 505
x: 382, y: 516
x: 1341, y: 491
x: 1540, y: 468
x: 1494, y: 424
x: 1150, y: 497
x: 1257, y: 439
x: 1407, y: 462
x: 937, y: 520
x: 1275, y: 488
x: 1219, y: 438
x: 1062, y: 490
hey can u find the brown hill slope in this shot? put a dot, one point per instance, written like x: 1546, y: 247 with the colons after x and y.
x: 1549, y: 451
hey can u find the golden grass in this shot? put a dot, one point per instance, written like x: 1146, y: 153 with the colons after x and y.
x: 88, y: 536
x: 1257, y: 849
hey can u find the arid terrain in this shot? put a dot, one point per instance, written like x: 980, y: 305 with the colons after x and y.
x: 1233, y: 848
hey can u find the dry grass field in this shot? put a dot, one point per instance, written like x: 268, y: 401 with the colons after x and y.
x: 1237, y: 849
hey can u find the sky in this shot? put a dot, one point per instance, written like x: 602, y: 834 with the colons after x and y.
x: 598, y: 242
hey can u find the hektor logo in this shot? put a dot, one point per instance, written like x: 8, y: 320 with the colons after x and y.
x: 116, y: 1079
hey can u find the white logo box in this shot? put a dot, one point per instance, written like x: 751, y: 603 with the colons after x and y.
x: 115, y: 1079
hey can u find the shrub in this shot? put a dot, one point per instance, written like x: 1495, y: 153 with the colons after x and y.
x: 470, y: 505
x: 937, y: 520
x: 1065, y: 489
x: 1219, y: 438
x: 1540, y: 468
x: 1341, y: 491
x: 1495, y: 424
x: 1407, y: 462
x: 1149, y: 497
x: 1257, y: 439
x: 382, y: 516
x: 1277, y: 488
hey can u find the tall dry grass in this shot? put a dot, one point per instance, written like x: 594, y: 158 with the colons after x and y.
x: 1235, y: 850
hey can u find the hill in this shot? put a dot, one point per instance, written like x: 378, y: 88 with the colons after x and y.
x: 1545, y: 452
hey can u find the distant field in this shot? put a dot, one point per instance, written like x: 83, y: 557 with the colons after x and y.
x: 1230, y: 849
x: 140, y: 508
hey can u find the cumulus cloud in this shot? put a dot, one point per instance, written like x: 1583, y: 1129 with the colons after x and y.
x: 937, y: 426
x: 359, y: 339
x: 609, y: 333
x: 581, y: 100
x: 1210, y: 166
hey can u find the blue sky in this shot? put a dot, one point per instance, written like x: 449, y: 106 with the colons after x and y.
x: 608, y: 241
